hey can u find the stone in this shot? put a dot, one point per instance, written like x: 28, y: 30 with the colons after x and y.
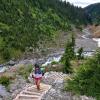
x: 11, y: 63
x: 3, y: 91
x: 4, y: 95
x: 1, y: 99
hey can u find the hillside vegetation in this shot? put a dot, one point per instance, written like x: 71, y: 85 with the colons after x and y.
x: 32, y: 23
x: 86, y: 79
x: 94, y: 12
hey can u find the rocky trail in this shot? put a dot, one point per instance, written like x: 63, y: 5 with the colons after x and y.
x: 31, y: 93
x: 51, y: 89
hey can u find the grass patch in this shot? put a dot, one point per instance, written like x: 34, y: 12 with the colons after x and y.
x: 25, y: 71
x: 54, y: 62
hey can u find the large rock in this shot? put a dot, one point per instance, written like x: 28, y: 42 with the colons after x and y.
x: 4, y: 95
x: 11, y: 63
x: 3, y: 91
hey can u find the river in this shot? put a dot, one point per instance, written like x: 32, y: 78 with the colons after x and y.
x: 43, y: 61
x: 52, y: 57
x: 87, y: 35
x: 97, y: 40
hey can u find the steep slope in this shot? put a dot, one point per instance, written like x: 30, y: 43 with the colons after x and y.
x: 32, y: 23
x: 95, y: 30
x: 94, y: 12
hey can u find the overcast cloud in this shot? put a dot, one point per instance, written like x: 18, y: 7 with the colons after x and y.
x: 82, y: 3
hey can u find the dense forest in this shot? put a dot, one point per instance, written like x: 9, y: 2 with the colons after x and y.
x: 94, y: 12
x: 31, y: 23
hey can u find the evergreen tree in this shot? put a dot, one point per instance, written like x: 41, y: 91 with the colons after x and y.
x: 73, y: 45
x: 80, y: 55
x: 68, y: 55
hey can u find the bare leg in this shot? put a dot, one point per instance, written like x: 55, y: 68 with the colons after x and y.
x: 38, y: 84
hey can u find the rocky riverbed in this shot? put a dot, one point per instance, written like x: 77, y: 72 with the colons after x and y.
x: 55, y: 56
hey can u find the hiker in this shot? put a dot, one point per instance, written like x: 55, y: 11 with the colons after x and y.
x: 37, y: 75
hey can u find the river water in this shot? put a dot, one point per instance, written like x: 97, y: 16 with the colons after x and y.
x: 87, y: 34
x: 44, y: 61
x: 97, y: 40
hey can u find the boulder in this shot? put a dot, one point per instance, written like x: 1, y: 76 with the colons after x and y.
x: 11, y: 63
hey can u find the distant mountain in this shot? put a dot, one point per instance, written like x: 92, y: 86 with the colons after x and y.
x: 94, y: 12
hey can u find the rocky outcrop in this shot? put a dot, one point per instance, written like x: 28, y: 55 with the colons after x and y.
x: 4, y: 95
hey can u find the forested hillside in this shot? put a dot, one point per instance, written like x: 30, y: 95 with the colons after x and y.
x: 31, y: 23
x: 94, y: 12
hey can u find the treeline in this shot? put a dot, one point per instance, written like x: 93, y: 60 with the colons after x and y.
x: 32, y: 23
x: 94, y: 12
x: 65, y: 10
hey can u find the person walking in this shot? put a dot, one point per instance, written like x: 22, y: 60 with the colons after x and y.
x: 37, y: 75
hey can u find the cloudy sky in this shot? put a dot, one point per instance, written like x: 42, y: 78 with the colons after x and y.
x: 83, y: 3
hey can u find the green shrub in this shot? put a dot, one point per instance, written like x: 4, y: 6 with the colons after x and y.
x: 87, y: 78
x: 15, y: 53
x: 6, y: 54
x: 4, y: 80
x: 54, y: 62
x: 25, y: 71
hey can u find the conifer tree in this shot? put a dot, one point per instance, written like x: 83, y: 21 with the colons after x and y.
x: 68, y: 55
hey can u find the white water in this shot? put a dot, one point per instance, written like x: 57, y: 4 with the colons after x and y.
x: 97, y: 40
x: 51, y: 59
x: 2, y: 69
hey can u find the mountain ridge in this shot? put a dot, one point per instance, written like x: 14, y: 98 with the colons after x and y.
x: 93, y: 11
